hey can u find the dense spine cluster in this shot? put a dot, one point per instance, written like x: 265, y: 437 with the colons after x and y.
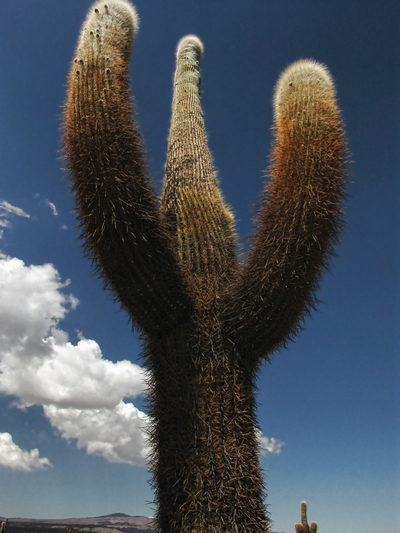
x: 208, y: 321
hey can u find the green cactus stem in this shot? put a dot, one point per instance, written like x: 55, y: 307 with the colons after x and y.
x: 303, y: 527
x: 208, y: 321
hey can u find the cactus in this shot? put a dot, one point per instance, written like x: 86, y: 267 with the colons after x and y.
x: 303, y: 527
x: 208, y: 322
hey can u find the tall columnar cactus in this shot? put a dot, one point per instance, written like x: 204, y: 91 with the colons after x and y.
x: 207, y: 320
x: 303, y: 527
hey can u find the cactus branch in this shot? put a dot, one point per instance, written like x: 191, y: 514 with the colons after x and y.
x: 192, y: 202
x: 299, y: 219
x: 119, y: 211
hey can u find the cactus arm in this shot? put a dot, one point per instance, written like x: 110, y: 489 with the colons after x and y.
x: 192, y: 204
x: 119, y: 212
x: 299, y: 217
x: 303, y: 527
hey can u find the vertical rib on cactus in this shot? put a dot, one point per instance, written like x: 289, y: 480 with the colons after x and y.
x: 208, y: 322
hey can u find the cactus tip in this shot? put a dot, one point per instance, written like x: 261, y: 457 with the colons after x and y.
x: 305, y: 72
x: 123, y: 8
x: 190, y: 42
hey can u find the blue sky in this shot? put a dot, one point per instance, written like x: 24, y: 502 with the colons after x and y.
x: 71, y: 408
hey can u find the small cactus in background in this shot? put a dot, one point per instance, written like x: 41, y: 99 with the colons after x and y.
x: 208, y: 321
x: 303, y: 527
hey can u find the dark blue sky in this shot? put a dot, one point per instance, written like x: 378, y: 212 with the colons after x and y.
x: 331, y: 396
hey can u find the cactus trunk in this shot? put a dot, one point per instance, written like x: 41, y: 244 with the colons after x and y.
x: 208, y: 321
x: 206, y: 470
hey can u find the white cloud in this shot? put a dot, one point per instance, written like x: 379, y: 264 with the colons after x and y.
x: 79, y: 389
x: 116, y: 434
x: 70, y: 376
x: 52, y: 207
x: 13, y: 457
x: 6, y: 208
x: 269, y: 445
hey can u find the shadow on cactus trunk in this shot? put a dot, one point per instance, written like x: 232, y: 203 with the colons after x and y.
x: 208, y: 322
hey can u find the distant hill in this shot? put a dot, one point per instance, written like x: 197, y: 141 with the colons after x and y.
x: 111, y: 523
x: 115, y: 515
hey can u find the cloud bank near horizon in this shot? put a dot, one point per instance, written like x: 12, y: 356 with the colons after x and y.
x: 81, y: 392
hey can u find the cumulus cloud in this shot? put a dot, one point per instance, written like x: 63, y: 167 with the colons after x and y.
x: 116, y: 434
x: 81, y: 392
x: 269, y: 445
x: 13, y: 457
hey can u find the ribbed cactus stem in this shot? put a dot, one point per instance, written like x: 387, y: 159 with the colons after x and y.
x: 303, y: 527
x: 192, y: 202
x: 300, y: 216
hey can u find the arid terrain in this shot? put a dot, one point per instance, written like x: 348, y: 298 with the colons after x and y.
x: 113, y: 523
